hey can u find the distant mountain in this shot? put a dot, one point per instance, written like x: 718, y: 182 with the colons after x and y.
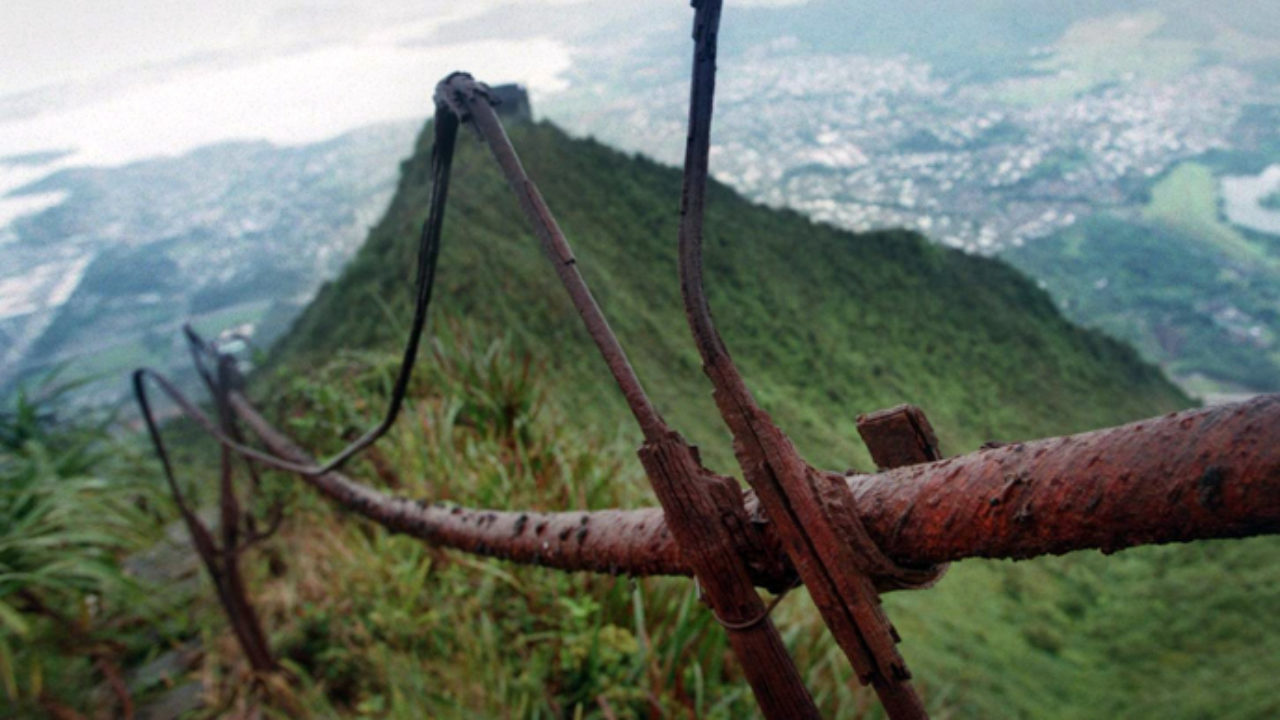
x: 236, y: 235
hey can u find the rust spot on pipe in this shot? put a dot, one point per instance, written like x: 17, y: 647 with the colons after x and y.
x: 1209, y: 488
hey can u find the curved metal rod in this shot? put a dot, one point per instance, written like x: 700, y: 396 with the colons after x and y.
x: 694, y: 192
x: 785, y: 483
x: 616, y: 541
x: 717, y: 363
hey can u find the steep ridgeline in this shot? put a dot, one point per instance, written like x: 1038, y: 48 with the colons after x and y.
x: 826, y: 324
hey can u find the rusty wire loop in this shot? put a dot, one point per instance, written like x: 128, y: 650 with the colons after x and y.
x: 458, y: 97
x: 750, y: 622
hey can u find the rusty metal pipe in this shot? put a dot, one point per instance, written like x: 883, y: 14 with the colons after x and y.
x: 1204, y: 473
x: 1199, y: 474
x: 632, y: 542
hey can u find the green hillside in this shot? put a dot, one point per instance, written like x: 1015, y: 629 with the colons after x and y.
x: 1188, y: 289
x: 824, y: 323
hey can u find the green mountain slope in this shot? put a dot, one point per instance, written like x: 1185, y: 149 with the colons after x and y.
x: 1188, y: 289
x: 824, y: 323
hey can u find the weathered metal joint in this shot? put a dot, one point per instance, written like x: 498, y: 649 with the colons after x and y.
x: 458, y: 90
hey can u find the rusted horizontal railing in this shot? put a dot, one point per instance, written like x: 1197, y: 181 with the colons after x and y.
x: 1204, y: 473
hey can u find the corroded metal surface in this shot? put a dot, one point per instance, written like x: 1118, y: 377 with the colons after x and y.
x: 711, y: 527
x: 1192, y: 491
x: 1211, y: 472
x: 899, y: 436
x: 631, y: 542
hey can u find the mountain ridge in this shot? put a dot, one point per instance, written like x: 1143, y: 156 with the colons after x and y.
x: 790, y: 312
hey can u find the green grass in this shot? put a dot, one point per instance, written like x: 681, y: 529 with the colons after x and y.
x: 418, y: 632
x: 1162, y: 632
x: 1186, y: 200
x: 68, y: 512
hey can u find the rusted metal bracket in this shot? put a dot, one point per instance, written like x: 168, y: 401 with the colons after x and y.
x: 899, y: 436
x: 813, y: 515
x: 707, y: 518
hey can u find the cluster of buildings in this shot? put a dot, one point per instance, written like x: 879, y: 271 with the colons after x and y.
x: 866, y: 142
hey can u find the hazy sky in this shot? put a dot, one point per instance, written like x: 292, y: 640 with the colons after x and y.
x: 112, y: 81
x: 116, y: 81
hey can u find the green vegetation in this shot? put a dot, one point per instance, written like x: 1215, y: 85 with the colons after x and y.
x: 416, y: 632
x: 825, y: 324
x: 68, y: 613
x: 1190, y: 291
x: 420, y: 632
x: 385, y: 626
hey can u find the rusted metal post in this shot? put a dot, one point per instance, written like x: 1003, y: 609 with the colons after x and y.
x: 710, y: 525
x: 1204, y: 473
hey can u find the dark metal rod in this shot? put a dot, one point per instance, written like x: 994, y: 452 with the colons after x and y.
x: 470, y: 100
